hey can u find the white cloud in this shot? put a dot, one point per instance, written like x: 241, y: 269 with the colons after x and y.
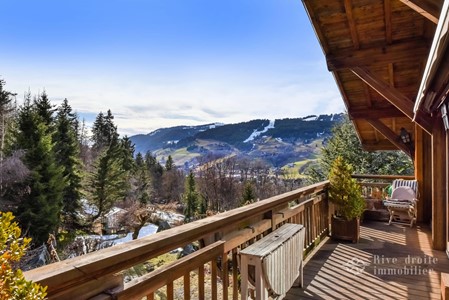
x: 144, y: 101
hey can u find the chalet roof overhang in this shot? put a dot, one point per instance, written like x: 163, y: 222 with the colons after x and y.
x: 434, y: 86
x: 377, y: 51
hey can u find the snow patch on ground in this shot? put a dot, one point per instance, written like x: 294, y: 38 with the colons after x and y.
x: 256, y: 133
x: 170, y: 217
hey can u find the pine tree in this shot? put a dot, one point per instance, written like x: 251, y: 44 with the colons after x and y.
x: 248, y: 194
x: 99, y: 138
x: 156, y: 172
x: 191, y: 198
x: 39, y: 211
x: 6, y: 108
x: 67, y: 155
x: 6, y: 119
x: 141, y: 181
x: 169, y: 164
x: 44, y: 109
x: 107, y: 181
x: 345, y: 143
x: 110, y: 179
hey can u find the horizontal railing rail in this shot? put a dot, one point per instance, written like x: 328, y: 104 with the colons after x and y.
x: 374, y: 186
x: 385, y: 177
x: 222, y: 236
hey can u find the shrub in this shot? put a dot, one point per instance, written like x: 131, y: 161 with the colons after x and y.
x: 13, y: 285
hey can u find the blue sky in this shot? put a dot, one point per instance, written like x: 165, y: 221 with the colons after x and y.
x: 160, y: 63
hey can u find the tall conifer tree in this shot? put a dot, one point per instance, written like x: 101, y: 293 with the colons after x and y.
x: 39, y: 211
x: 67, y: 155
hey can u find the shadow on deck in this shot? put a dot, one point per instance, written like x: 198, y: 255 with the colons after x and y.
x: 389, y: 262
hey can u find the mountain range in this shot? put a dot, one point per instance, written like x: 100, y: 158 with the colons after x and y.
x: 278, y: 142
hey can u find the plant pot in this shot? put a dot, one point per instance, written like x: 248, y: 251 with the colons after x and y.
x: 342, y: 229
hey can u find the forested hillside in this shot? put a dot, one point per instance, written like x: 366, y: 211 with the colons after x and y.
x: 277, y: 142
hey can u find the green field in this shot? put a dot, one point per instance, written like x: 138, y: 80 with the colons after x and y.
x: 180, y: 156
x: 295, y: 170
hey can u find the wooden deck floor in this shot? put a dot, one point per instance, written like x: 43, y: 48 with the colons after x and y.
x: 389, y: 262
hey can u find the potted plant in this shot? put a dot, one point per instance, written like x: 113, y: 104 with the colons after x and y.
x: 346, y: 194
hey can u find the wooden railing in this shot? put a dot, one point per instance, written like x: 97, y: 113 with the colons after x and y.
x: 373, y: 186
x: 209, y: 273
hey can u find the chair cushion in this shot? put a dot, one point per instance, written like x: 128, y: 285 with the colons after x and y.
x: 403, y: 193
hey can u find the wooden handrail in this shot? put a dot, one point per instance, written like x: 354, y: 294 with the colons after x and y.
x: 386, y: 177
x: 79, y: 270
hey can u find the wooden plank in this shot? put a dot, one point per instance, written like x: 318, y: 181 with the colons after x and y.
x: 439, y: 183
x: 419, y: 171
x: 388, y: 30
x: 214, y: 278
x: 91, y: 288
x: 380, y: 145
x: 187, y: 286
x: 238, y: 237
x: 235, y: 276
x: 353, y: 29
x: 444, y: 286
x: 430, y: 9
x: 201, y: 290
x: 366, y: 91
x: 394, y: 53
x: 170, y: 292
x: 392, y: 95
x: 165, y: 275
x: 391, y: 74
x: 390, y: 135
x: 375, y: 113
x: 328, y: 275
x: 225, y: 276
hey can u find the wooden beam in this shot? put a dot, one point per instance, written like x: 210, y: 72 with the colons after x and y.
x: 391, y: 74
x: 390, y: 135
x: 393, y: 96
x: 375, y: 113
x: 349, y: 16
x: 382, y: 145
x: 398, y: 52
x: 430, y: 9
x: 388, y: 31
x: 439, y: 184
x: 419, y: 172
x: 366, y: 90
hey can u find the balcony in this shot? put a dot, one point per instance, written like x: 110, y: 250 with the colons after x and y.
x: 376, y: 267
x: 333, y: 270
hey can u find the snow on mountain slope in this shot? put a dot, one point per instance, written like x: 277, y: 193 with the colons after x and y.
x: 256, y: 133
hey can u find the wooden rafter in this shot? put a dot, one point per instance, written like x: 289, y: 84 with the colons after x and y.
x: 391, y: 74
x: 388, y: 31
x: 353, y: 29
x: 366, y: 89
x: 393, y: 96
x: 398, y: 52
x: 382, y: 144
x: 376, y: 135
x: 377, y: 113
x: 390, y: 135
x: 429, y: 9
